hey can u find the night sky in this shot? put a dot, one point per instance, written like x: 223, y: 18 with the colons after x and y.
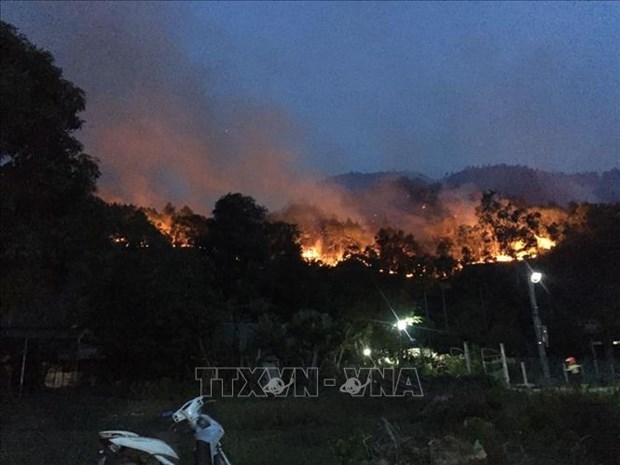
x: 187, y: 101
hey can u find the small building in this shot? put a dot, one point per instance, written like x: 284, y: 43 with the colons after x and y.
x: 34, y: 358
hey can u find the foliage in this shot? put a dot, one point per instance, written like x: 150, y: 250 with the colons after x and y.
x: 352, y: 450
x: 504, y: 223
x: 246, y: 248
x: 397, y: 251
x: 582, y: 275
x: 153, y: 312
x: 311, y: 334
x: 44, y: 111
x: 182, y: 227
x: 48, y: 212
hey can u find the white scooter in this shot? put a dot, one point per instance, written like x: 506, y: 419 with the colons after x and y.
x: 127, y: 448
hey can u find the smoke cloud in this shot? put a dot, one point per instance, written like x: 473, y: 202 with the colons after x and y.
x: 160, y: 130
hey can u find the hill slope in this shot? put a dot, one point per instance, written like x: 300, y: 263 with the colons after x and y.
x: 534, y: 186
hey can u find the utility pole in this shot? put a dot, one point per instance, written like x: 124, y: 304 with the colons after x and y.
x: 428, y: 316
x: 443, y: 287
x: 483, y: 307
x: 534, y: 278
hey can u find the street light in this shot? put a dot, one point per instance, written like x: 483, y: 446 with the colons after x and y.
x: 536, y: 277
x: 367, y: 352
x: 403, y: 323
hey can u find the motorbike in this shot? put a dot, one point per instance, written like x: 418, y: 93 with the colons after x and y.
x: 128, y: 448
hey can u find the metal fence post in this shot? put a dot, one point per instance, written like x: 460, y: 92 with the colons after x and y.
x: 524, y: 374
x: 23, y: 370
x: 565, y: 372
x: 504, y: 364
x: 467, y: 357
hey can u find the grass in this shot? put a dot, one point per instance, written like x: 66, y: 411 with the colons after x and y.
x: 60, y: 428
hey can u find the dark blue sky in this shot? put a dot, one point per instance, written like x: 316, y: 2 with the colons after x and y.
x: 431, y: 86
x: 427, y: 87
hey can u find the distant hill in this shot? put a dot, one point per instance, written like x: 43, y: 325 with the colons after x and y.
x: 355, y: 181
x: 541, y: 187
x: 534, y: 186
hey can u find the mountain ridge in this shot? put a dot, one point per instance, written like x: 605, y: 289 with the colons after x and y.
x: 533, y: 185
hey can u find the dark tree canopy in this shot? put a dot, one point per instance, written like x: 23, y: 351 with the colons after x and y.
x: 43, y: 106
x: 398, y: 251
x: 249, y: 250
x: 44, y: 169
x: 236, y: 232
x: 505, y: 223
x: 46, y: 180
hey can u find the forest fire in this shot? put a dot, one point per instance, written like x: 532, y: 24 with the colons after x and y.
x: 544, y: 244
x: 312, y: 254
x: 181, y: 227
x: 522, y: 251
x: 462, y: 224
x: 332, y: 247
x: 494, y: 230
x: 442, y: 239
x: 318, y: 253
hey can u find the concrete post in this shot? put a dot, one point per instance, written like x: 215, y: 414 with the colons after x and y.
x: 504, y: 364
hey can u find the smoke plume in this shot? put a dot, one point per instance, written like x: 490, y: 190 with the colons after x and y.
x: 155, y: 120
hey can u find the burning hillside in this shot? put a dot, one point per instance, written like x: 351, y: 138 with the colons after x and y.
x: 182, y: 228
x: 405, y: 228
x: 467, y: 226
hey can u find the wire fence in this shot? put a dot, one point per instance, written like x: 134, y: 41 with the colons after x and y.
x: 591, y: 372
x: 527, y: 371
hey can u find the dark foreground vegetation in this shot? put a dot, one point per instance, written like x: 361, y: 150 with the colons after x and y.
x: 466, y: 421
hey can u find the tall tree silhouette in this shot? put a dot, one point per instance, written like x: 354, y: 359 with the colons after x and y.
x: 47, y: 179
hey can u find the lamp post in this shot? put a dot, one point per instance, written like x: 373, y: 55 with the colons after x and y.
x: 534, y: 278
x: 401, y: 325
x: 443, y: 287
x: 368, y: 353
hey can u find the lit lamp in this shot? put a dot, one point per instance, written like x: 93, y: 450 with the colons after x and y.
x: 535, y: 278
x: 367, y: 352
